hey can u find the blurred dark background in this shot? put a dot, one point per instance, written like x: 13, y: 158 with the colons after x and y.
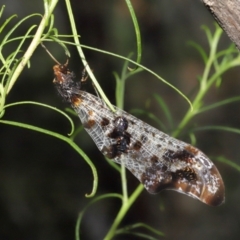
x: 43, y: 181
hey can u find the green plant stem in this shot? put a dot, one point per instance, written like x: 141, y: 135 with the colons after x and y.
x: 120, y: 88
x: 206, y: 82
x: 122, y: 212
x: 82, y: 56
x: 33, y: 45
x: 190, y: 114
x: 202, y: 91
x: 213, y: 49
x: 124, y: 183
x: 120, y: 85
x: 96, y: 199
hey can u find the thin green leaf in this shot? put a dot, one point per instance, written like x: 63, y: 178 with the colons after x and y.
x: 67, y: 140
x: 230, y: 50
x: 228, y: 162
x: 113, y: 164
x: 14, y: 28
x: 200, y: 50
x: 16, y: 53
x: 219, y: 128
x: 165, y: 109
x: 46, y: 106
x: 144, y: 68
x: 2, y: 100
x: 1, y: 11
x: 6, y: 22
x: 150, y: 115
x: 218, y: 104
x: 137, y: 30
x: 208, y: 33
x: 76, y: 132
x: 193, y: 139
x: 141, y: 235
x: 139, y: 225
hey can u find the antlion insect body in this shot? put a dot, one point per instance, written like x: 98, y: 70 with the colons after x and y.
x: 156, y: 159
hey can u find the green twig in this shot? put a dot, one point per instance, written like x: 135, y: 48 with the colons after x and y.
x: 33, y: 45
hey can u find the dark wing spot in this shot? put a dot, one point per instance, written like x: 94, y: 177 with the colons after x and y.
x: 143, y: 138
x: 123, y: 144
x: 154, y: 159
x: 146, y: 130
x: 187, y: 173
x: 168, y: 155
x: 104, y: 122
x: 181, y: 155
x: 157, y: 165
x: 117, y: 149
x: 137, y: 145
x: 132, y: 122
x: 118, y: 134
x: 115, y: 133
x: 111, y: 152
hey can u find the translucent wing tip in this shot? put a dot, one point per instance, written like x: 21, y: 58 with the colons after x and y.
x: 207, y: 187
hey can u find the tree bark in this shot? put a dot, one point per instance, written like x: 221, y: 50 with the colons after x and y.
x: 227, y: 14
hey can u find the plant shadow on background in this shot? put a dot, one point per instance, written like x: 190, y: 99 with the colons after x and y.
x: 216, y: 63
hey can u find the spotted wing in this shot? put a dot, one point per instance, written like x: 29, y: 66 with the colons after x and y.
x: 156, y: 159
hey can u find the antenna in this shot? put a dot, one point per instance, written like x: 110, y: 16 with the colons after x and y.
x: 53, y: 58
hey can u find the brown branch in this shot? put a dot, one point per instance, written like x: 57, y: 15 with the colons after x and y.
x: 227, y: 14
